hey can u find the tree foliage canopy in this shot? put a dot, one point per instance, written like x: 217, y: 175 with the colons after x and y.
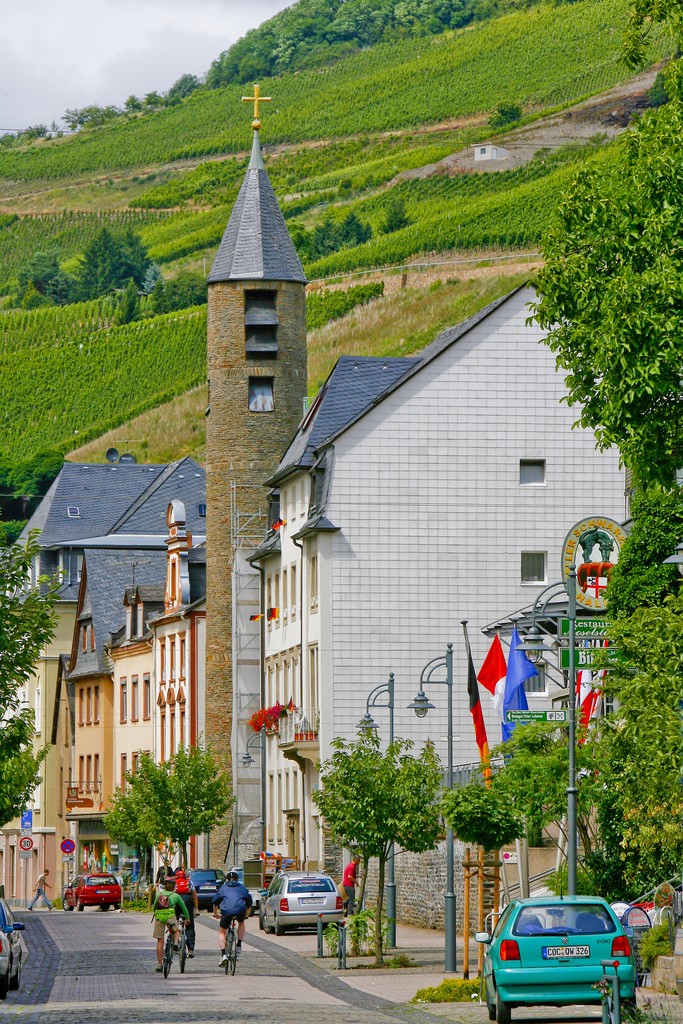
x: 482, y: 815
x: 611, y: 293
x: 27, y: 624
x: 184, y: 796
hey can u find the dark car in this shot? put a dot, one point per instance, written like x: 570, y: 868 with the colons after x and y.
x: 101, y: 891
x: 10, y: 950
x: 207, y: 882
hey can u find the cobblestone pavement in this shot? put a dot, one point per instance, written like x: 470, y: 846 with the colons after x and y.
x: 96, y: 968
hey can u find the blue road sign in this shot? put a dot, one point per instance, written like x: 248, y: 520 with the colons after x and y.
x: 26, y: 821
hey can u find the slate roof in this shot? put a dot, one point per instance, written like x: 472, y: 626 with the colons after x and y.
x: 354, y: 384
x: 108, y: 575
x: 256, y: 244
x: 120, y: 506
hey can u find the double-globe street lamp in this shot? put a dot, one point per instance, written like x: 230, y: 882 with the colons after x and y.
x: 367, y: 724
x: 535, y: 649
x: 259, y: 739
x: 421, y: 705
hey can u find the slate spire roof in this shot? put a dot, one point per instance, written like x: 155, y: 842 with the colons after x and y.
x: 256, y: 244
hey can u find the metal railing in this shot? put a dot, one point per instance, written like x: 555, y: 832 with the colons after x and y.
x: 299, y: 726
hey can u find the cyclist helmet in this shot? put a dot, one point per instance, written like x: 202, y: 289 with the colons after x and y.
x: 232, y: 876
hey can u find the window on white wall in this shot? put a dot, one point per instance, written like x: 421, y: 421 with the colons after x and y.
x: 532, y: 472
x: 532, y: 567
x: 313, y: 583
x: 39, y: 710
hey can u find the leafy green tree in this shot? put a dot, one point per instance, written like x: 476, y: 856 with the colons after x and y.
x: 505, y: 113
x: 641, y: 756
x: 129, y: 304
x: 395, y: 215
x: 371, y: 798
x: 185, y: 796
x: 482, y: 815
x: 27, y: 624
x: 183, y: 87
x: 610, y: 293
x: 110, y: 260
x: 639, y: 578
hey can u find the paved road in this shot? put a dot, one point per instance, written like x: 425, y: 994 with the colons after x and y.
x: 95, y: 968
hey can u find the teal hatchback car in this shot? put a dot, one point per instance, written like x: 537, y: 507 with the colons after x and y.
x: 547, y: 952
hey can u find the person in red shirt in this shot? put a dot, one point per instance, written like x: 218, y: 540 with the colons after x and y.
x: 349, y: 881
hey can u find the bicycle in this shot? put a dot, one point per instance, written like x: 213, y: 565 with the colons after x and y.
x: 180, y: 947
x: 230, y: 947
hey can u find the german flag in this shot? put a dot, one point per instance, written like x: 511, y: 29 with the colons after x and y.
x: 272, y: 614
x: 279, y: 523
x: 475, y: 710
x: 255, y: 618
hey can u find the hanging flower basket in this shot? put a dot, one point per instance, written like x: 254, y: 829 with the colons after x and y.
x: 270, y: 717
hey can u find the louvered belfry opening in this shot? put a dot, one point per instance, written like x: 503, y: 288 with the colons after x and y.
x: 260, y: 323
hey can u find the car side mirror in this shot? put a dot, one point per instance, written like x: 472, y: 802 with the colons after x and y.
x: 18, y: 926
x: 482, y: 937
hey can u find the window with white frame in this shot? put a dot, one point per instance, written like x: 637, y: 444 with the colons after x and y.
x: 285, y: 596
x: 312, y: 688
x: 39, y: 710
x: 533, y: 566
x: 532, y: 472
x: 293, y: 592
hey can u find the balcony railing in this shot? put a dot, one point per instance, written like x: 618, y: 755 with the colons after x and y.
x: 300, y: 726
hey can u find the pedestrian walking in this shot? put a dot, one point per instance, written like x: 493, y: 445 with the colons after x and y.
x: 39, y: 890
x: 349, y: 881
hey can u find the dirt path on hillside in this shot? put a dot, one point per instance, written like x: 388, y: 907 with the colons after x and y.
x: 606, y: 115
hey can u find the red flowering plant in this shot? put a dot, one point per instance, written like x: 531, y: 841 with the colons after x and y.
x: 270, y: 717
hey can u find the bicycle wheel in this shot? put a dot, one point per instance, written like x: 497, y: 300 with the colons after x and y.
x: 182, y: 951
x: 231, y: 952
x: 167, y: 958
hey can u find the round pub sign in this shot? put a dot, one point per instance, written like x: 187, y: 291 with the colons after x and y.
x: 593, y: 546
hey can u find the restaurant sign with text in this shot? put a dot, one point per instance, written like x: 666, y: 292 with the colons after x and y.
x: 593, y: 546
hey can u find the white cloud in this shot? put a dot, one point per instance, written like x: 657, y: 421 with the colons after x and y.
x: 71, y: 53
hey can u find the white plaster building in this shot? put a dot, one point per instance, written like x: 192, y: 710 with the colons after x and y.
x: 417, y: 493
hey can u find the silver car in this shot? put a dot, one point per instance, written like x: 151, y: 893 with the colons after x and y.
x: 296, y: 899
x: 10, y: 950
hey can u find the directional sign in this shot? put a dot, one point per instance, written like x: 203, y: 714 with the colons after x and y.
x: 26, y: 843
x: 535, y: 716
x: 585, y: 652
x: 586, y: 627
x: 67, y: 846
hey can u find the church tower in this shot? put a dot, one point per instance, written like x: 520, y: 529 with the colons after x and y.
x: 257, y: 375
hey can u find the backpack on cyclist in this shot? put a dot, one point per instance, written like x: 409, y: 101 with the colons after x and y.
x: 182, y: 882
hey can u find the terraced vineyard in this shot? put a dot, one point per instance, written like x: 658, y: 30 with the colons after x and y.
x: 540, y: 58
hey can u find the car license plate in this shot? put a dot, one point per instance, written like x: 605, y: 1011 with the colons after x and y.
x: 102, y: 892
x: 563, y: 952
x: 206, y: 888
x: 312, y: 899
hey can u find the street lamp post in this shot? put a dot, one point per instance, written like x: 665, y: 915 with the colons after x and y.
x: 259, y: 738
x: 366, y: 724
x: 535, y: 649
x: 421, y: 705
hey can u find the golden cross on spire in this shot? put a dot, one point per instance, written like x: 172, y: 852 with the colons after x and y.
x: 256, y: 99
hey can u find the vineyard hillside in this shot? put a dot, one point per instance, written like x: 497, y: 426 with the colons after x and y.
x: 373, y: 160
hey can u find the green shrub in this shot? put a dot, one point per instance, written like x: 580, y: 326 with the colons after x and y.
x: 557, y: 882
x: 453, y: 990
x: 656, y: 942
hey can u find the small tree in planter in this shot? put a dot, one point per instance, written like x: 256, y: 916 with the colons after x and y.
x: 372, y: 798
x: 482, y: 816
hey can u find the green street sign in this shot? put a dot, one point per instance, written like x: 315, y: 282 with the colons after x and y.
x: 585, y: 627
x: 535, y: 716
x: 585, y: 653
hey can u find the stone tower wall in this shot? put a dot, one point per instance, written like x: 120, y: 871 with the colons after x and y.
x: 243, y: 448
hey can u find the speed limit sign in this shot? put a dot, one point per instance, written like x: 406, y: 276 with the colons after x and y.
x: 26, y: 843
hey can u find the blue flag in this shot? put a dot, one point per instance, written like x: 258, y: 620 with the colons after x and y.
x: 519, y: 669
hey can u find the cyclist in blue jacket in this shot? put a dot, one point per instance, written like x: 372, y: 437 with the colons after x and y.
x: 232, y: 900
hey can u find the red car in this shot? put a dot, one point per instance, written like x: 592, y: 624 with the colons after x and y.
x: 101, y: 891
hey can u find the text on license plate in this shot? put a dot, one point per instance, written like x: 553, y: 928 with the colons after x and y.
x: 562, y: 952
x: 104, y: 892
x: 206, y: 888
x: 312, y: 899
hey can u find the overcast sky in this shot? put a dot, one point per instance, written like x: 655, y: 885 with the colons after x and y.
x: 60, y: 54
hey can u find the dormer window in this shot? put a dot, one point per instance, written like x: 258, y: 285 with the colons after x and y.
x: 73, y: 511
x: 129, y: 622
x: 140, y: 609
x: 260, y: 323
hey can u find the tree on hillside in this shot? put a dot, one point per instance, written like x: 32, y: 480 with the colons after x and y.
x: 128, y: 308
x: 371, y: 798
x: 183, y: 87
x: 185, y: 796
x: 611, y: 296
x: 109, y: 261
x: 27, y: 624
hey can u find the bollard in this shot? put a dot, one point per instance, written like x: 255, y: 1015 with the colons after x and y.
x: 321, y: 939
x: 614, y: 997
x: 341, y: 946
